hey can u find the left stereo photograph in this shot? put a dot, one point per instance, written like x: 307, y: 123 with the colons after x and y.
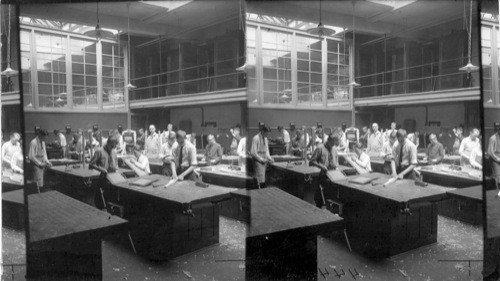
x: 134, y: 117
x: 13, y: 258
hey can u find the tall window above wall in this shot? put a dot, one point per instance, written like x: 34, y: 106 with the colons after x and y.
x: 276, y: 67
x: 112, y: 75
x: 199, y: 62
x: 51, y: 69
x: 486, y: 61
x: 60, y: 70
x: 287, y: 67
x: 424, y: 61
x: 84, y: 66
x: 26, y: 65
x: 338, y: 72
x: 309, y: 69
x: 251, y: 61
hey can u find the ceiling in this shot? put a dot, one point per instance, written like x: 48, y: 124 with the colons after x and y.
x: 371, y: 17
x: 147, y: 18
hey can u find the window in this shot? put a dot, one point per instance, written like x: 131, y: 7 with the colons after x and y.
x: 276, y: 67
x: 486, y: 60
x: 58, y: 55
x: 207, y: 63
x: 337, y: 72
x: 112, y: 75
x: 309, y: 71
x: 51, y: 69
x: 26, y: 68
x: 84, y: 66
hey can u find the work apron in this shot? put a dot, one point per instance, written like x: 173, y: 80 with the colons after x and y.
x: 38, y: 172
x: 495, y: 169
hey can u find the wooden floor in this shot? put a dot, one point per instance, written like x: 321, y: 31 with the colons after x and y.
x: 456, y: 240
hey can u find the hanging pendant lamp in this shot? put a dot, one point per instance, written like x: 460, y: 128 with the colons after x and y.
x: 98, y: 32
x: 469, y: 67
x: 129, y: 86
x: 321, y: 30
x: 8, y: 71
x: 353, y: 83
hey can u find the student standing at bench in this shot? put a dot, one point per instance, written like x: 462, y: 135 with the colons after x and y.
x: 375, y: 141
x: 388, y: 153
x: 405, y: 157
x: 363, y: 160
x: 104, y: 158
x: 494, y: 152
x: 152, y: 143
x: 166, y: 154
x: 467, y: 146
x: 435, y: 150
x: 142, y: 161
x: 213, y: 151
x: 38, y: 157
x: 185, y: 158
x: 260, y: 154
x: 325, y: 157
x: 9, y: 149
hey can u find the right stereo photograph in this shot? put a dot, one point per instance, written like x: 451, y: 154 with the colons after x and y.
x: 490, y: 49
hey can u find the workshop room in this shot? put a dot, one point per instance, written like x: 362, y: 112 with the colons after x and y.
x: 135, y: 123
x: 376, y: 105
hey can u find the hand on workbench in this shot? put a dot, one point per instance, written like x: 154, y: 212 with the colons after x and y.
x: 180, y: 178
x: 400, y: 177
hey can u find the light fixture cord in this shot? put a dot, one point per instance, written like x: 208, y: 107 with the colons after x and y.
x: 97, y: 2
x: 353, y: 44
x: 320, y: 12
x: 470, y: 31
x: 128, y: 41
x: 8, y: 39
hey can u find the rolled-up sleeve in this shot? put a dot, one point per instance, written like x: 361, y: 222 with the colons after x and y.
x: 192, y: 156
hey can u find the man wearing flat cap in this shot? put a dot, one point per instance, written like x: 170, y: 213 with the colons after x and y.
x: 38, y: 157
x: 260, y: 154
x: 494, y: 152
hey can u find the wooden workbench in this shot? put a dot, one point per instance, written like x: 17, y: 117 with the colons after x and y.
x: 281, y: 242
x: 64, y: 161
x: 13, y: 209
x: 492, y: 214
x: 64, y: 238
x: 78, y: 183
x: 299, y: 180
x: 441, y: 174
x: 386, y: 221
x: 223, y: 175
x: 11, y: 181
x: 168, y: 222
x: 464, y: 204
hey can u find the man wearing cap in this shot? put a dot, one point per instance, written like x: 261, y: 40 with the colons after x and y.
x: 286, y: 138
x: 494, y: 152
x: 404, y: 157
x: 184, y: 158
x: 325, y: 157
x: 38, y: 157
x: 260, y: 154
x: 166, y: 153
x: 213, y: 151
